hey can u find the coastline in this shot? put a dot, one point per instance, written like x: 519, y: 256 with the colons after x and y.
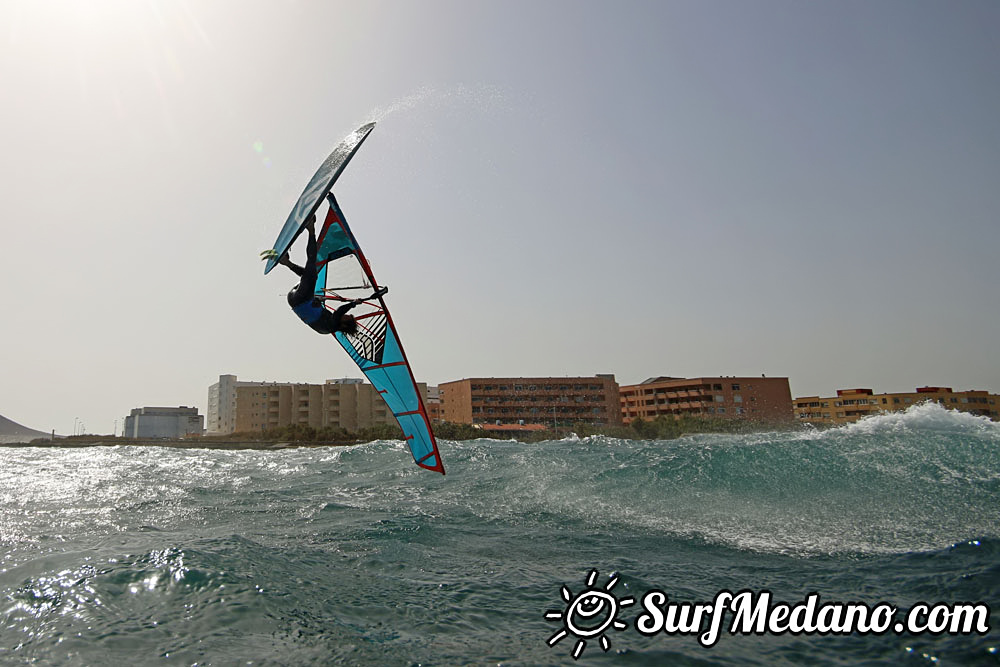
x: 660, y: 429
x: 190, y: 443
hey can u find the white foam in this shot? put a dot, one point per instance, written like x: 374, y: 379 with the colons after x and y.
x: 926, y: 416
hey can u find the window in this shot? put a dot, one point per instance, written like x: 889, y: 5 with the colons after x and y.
x: 736, y: 387
x: 737, y: 398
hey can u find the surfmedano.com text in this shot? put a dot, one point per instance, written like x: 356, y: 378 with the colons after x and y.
x: 754, y: 613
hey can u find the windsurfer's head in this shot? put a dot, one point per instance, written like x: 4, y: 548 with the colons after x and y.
x: 348, y: 324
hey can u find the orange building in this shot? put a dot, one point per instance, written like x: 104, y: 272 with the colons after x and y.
x: 850, y: 405
x: 541, y: 400
x: 760, y: 399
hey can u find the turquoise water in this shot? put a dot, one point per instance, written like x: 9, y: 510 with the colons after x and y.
x: 130, y: 555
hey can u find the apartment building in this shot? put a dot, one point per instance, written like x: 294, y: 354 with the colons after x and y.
x: 347, y: 403
x: 850, y: 405
x: 762, y: 399
x: 559, y: 401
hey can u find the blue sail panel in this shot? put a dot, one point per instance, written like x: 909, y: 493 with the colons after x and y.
x: 394, y: 382
x: 320, y: 281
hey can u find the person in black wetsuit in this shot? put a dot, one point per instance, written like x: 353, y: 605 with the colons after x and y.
x: 302, y: 297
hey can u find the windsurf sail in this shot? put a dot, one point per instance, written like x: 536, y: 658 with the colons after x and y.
x: 345, y: 275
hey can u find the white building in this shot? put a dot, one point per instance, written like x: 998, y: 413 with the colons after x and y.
x: 163, y: 422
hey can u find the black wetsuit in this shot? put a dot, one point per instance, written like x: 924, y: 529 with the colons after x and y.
x: 302, y: 298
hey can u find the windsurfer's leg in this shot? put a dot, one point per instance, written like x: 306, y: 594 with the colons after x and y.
x: 306, y: 289
x: 311, y: 250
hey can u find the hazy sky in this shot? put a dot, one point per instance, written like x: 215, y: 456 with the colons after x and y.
x: 806, y: 189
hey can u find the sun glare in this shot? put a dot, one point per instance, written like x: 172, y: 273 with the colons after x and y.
x: 109, y: 34
x: 112, y: 60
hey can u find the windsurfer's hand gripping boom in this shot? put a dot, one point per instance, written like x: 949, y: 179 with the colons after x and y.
x: 381, y: 291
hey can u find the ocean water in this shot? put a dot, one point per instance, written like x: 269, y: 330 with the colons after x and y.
x: 147, y: 555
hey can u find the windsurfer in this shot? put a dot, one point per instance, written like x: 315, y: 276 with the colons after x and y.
x: 302, y: 298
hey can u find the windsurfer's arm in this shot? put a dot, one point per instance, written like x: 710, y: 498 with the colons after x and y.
x: 284, y: 261
x: 346, y: 307
x: 351, y: 304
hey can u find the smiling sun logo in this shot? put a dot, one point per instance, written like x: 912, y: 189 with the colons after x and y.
x: 588, y: 614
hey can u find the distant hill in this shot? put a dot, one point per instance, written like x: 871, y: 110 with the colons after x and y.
x: 13, y: 432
